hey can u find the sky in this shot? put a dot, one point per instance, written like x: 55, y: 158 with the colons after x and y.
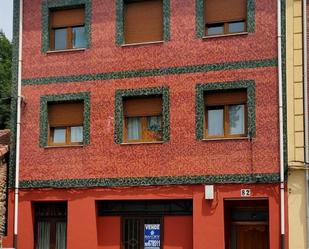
x: 6, y: 17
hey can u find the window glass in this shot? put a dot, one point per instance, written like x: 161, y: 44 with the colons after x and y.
x: 154, y: 123
x: 79, y: 37
x: 61, y: 228
x: 236, y: 27
x: 237, y: 119
x: 215, y: 121
x: 59, y: 135
x: 43, y: 231
x: 77, y: 134
x: 132, y: 232
x: 134, y: 128
x: 60, y: 39
x: 215, y: 29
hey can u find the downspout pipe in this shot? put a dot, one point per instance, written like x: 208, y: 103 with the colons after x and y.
x: 18, y: 123
x: 281, y: 142
x: 306, y: 113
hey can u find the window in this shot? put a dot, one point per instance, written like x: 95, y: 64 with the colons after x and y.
x: 50, y: 225
x: 67, y: 29
x: 143, y: 21
x: 143, y: 119
x: 148, y: 106
x: 225, y: 16
x: 225, y: 113
x: 65, y: 123
x: 141, y: 232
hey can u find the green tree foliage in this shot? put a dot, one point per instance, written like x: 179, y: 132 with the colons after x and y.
x: 5, y: 80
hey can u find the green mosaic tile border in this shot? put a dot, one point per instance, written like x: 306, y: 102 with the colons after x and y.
x: 251, y: 16
x: 122, y: 93
x: 202, y: 68
x: 120, y: 22
x: 200, y: 24
x: 46, y: 99
x: 147, y: 181
x: 249, y: 85
x: 199, y: 18
x: 51, y: 4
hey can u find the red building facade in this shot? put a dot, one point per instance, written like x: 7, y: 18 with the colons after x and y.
x: 104, y: 190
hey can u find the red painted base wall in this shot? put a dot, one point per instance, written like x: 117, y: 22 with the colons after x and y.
x: 178, y: 232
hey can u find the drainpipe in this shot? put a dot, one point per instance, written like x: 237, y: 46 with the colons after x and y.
x: 19, y: 102
x: 306, y: 113
x: 280, y: 83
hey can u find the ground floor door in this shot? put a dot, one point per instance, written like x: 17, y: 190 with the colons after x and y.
x: 252, y: 236
x: 246, y: 224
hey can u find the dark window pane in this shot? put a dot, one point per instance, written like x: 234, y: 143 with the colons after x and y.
x: 43, y: 235
x: 60, y: 39
x: 61, y: 235
x: 79, y: 37
x: 132, y: 233
x: 215, y: 29
x: 143, y: 207
x: 236, y: 27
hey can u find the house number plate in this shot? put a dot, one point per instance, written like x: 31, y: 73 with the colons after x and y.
x: 245, y: 192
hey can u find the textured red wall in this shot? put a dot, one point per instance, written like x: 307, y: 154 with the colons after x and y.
x: 184, y: 48
x: 183, y: 154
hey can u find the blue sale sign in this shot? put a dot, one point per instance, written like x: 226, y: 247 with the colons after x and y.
x: 152, y: 236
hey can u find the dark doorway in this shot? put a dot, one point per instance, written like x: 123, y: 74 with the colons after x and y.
x: 246, y: 224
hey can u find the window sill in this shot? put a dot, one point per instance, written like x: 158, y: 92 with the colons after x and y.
x: 225, y: 138
x: 64, y: 146
x: 65, y: 50
x: 224, y: 35
x: 141, y: 43
x: 139, y: 143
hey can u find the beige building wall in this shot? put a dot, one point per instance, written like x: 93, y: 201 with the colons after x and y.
x: 295, y: 127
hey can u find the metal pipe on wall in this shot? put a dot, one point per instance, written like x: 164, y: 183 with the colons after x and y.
x: 19, y: 102
x: 281, y: 142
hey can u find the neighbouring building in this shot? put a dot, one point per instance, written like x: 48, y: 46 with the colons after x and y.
x: 297, y: 195
x: 4, y: 159
x: 147, y: 131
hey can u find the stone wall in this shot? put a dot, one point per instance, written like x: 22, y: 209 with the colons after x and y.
x: 4, y: 149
